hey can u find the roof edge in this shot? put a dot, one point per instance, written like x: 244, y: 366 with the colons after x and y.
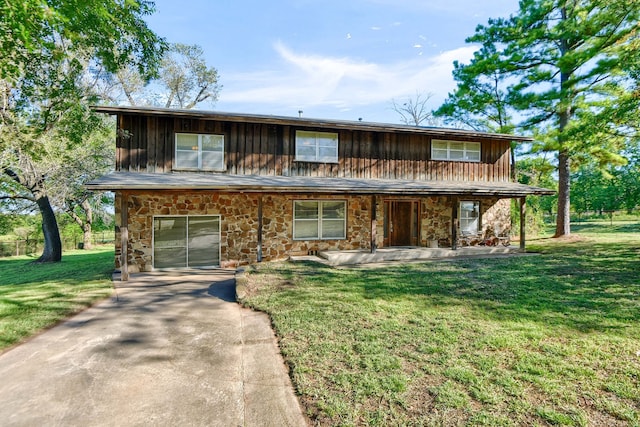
x: 303, y: 121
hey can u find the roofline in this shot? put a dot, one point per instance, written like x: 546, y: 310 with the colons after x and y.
x: 132, y: 181
x: 303, y: 121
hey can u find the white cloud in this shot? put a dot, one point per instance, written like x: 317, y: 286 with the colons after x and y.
x: 308, y: 80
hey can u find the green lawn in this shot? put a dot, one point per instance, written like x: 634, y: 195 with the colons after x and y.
x: 37, y: 296
x: 549, y: 339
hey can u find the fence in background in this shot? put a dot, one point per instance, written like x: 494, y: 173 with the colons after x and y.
x: 28, y: 247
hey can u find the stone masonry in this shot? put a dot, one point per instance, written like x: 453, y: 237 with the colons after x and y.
x: 239, y: 223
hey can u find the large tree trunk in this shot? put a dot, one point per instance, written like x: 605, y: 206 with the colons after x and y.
x: 563, y: 222
x: 52, y: 251
x: 87, y: 237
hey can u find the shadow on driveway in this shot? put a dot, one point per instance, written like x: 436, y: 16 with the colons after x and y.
x: 168, y: 349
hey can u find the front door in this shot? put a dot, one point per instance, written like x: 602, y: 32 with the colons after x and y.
x: 401, y: 223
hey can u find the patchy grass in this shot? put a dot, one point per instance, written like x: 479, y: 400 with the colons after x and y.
x: 36, y: 296
x: 550, y: 339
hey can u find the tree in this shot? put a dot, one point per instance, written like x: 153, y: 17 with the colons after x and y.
x: 184, y: 81
x: 414, y: 111
x: 564, y: 59
x: 481, y: 99
x: 84, y: 162
x: 48, y: 49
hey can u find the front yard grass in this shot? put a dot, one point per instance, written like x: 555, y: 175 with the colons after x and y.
x: 548, y: 339
x: 36, y: 296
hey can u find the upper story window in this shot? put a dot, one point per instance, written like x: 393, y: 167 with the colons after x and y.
x: 319, y: 147
x: 455, y: 150
x: 199, y: 151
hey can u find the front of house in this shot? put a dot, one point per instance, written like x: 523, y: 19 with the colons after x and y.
x: 207, y: 189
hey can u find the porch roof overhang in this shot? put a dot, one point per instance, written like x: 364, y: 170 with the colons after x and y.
x: 119, y: 181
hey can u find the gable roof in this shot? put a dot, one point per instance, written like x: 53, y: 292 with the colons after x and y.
x: 299, y: 184
x: 436, y: 132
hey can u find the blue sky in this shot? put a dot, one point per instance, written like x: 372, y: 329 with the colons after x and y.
x: 331, y: 59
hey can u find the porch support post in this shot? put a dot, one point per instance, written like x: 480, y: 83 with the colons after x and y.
x: 523, y: 222
x: 259, y: 228
x: 454, y: 223
x: 374, y: 224
x: 124, y: 237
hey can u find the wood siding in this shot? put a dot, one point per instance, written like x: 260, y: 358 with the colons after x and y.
x: 146, y: 144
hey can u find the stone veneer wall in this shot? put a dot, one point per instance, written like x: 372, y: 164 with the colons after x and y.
x: 239, y: 223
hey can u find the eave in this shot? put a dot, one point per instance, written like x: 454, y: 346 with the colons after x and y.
x: 119, y: 181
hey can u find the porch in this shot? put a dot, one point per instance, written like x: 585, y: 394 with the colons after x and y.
x: 338, y: 258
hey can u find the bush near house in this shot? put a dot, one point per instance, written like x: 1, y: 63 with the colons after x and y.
x: 548, y: 339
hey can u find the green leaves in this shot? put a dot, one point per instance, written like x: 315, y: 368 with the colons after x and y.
x: 567, y: 70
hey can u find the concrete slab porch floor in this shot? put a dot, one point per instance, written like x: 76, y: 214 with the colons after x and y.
x: 172, y: 349
x: 354, y: 257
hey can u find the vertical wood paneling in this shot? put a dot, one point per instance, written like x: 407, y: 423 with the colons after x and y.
x: 286, y: 150
x: 269, y: 149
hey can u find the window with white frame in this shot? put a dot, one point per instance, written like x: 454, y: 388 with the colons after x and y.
x: 199, y: 151
x: 319, y: 219
x: 319, y: 147
x: 455, y: 150
x: 469, y: 217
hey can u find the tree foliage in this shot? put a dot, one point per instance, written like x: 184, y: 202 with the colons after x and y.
x: 481, y: 99
x: 50, y: 53
x: 185, y: 80
x: 566, y: 66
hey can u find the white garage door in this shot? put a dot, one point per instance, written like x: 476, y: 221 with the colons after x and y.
x: 186, y: 241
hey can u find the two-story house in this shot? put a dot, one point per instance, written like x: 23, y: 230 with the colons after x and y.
x: 207, y: 189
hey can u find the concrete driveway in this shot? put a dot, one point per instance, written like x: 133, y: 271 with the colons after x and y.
x: 171, y: 349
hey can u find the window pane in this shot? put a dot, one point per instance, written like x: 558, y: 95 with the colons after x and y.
x: 305, y: 229
x: 439, y: 145
x: 169, y: 241
x: 212, y: 143
x: 186, y: 141
x: 333, y: 210
x: 170, y: 232
x: 440, y: 154
x: 473, y: 155
x: 306, y: 153
x: 170, y: 258
x: 328, y: 141
x: 456, y: 155
x: 186, y: 159
x: 305, y: 210
x: 204, y: 241
x: 333, y: 229
x: 327, y: 154
x: 456, y: 146
x: 473, y: 151
x: 212, y: 160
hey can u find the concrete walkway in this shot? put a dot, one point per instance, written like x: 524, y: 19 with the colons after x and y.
x: 171, y: 349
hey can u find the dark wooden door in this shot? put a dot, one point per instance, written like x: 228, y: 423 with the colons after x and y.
x: 401, y: 223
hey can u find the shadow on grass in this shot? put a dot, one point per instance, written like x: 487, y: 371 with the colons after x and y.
x: 584, y: 286
x: 76, y: 266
